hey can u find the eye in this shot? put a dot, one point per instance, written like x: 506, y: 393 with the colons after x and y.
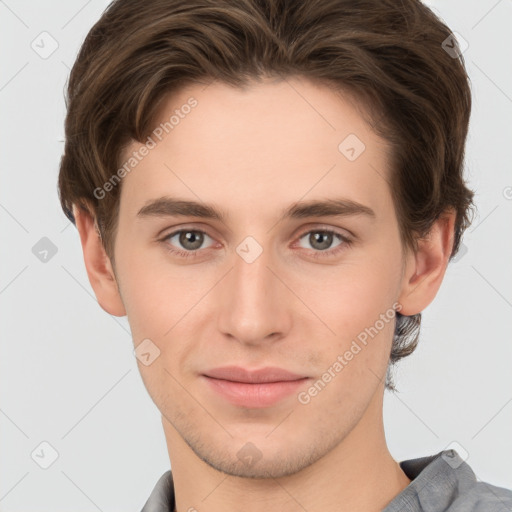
x: 321, y: 241
x: 189, y: 239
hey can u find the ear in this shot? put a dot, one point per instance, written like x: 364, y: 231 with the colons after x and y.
x: 98, y: 265
x: 425, y: 268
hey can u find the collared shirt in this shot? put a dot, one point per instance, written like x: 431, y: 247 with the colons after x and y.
x: 439, y: 483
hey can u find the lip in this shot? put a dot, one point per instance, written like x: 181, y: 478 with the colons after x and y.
x: 263, y: 375
x: 253, y: 388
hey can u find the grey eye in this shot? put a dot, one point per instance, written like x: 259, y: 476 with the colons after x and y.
x: 188, y: 239
x: 320, y: 240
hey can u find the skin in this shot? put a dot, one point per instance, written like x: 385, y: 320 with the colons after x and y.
x: 252, y: 153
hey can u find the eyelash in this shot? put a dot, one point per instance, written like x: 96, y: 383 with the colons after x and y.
x: 345, y: 243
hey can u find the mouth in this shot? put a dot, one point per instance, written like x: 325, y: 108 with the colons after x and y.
x: 263, y: 375
x: 253, y: 389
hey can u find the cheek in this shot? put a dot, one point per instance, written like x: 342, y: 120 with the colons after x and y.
x: 356, y: 302
x: 351, y: 297
x: 156, y: 294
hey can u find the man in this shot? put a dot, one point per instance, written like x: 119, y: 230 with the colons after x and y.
x: 271, y: 192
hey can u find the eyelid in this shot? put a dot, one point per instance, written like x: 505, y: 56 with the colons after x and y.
x: 304, y: 230
x: 342, y: 232
x: 182, y: 227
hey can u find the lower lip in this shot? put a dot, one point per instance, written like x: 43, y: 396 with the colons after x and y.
x: 254, y: 395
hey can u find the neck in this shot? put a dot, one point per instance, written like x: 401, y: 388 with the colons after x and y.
x: 359, y: 474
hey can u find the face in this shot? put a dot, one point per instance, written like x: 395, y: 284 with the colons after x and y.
x: 259, y: 275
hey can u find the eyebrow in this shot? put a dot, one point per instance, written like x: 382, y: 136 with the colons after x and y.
x: 172, y: 207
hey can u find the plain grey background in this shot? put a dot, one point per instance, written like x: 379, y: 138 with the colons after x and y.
x: 68, y: 374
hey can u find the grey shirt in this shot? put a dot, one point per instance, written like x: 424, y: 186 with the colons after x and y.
x: 439, y: 483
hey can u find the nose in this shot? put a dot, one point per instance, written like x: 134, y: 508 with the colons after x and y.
x: 254, y: 304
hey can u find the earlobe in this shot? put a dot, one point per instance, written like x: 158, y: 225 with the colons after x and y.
x: 98, y: 265
x: 425, y: 268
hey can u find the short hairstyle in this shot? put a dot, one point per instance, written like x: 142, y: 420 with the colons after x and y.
x: 389, y: 55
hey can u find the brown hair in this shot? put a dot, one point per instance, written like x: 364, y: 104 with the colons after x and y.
x: 389, y: 54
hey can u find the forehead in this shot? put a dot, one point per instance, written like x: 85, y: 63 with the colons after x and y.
x: 269, y: 143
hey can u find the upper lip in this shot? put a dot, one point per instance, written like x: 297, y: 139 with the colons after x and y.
x: 238, y: 374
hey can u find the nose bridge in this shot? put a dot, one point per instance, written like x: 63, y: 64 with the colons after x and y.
x: 253, y: 304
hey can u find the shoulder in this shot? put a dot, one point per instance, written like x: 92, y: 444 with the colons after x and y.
x: 470, y: 493
x: 479, y: 496
x: 161, y: 498
x: 446, y: 483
